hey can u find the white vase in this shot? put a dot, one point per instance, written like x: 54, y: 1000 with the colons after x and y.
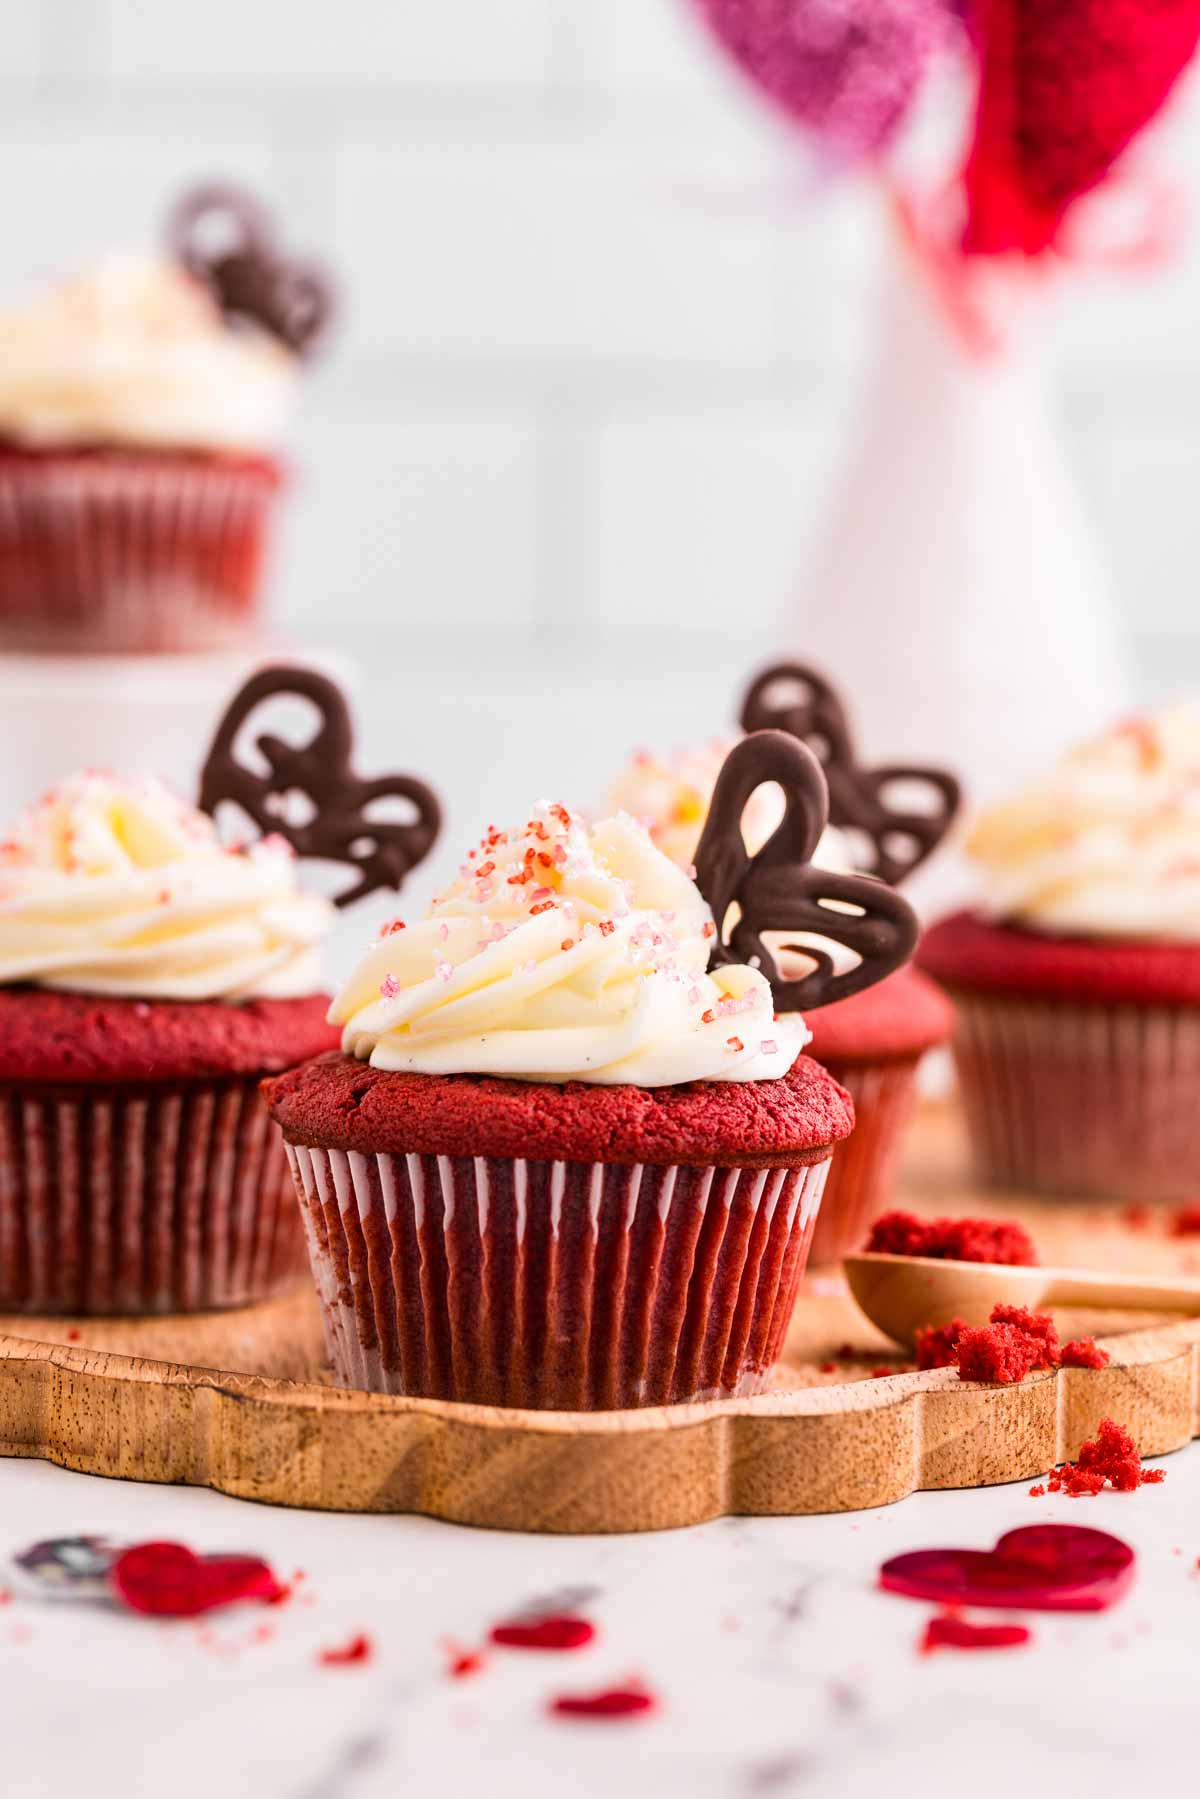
x: 954, y: 592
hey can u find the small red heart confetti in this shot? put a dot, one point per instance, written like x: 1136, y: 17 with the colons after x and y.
x: 948, y: 1631
x: 168, y: 1580
x: 632, y: 1701
x: 348, y: 1655
x: 550, y: 1632
x: 1041, y: 1567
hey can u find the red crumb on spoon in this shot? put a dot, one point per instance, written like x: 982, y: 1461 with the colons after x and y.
x: 952, y: 1239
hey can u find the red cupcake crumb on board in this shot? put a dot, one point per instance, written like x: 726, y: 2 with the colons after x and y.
x: 1084, y: 1352
x: 1038, y: 1492
x: 883, y: 1373
x: 948, y: 1631
x: 952, y: 1239
x: 1185, y: 1222
x: 632, y: 1701
x: 347, y: 1655
x: 551, y: 1632
x: 937, y: 1344
x: 1110, y: 1458
x: 1015, y: 1343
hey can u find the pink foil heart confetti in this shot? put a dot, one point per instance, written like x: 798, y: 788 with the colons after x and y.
x: 1041, y: 1567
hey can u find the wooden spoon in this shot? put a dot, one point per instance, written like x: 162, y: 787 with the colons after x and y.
x: 901, y: 1293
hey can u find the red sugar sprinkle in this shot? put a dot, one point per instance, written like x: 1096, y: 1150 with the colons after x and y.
x: 708, y: 1017
x: 607, y: 927
x: 630, y: 1701
x: 358, y: 1649
x: 1110, y: 1457
x: 566, y: 943
x: 546, y: 906
x: 397, y: 924
x: 554, y: 1631
x: 946, y: 1630
x: 937, y: 1344
x: 708, y: 930
x: 952, y: 1239
x: 735, y: 1044
x: 485, y: 869
x: 1084, y: 1352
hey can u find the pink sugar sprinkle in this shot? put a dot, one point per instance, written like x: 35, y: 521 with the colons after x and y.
x: 691, y: 871
x: 443, y: 931
x: 541, y: 893
x: 694, y: 996
x: 444, y: 970
x: 389, y: 987
x: 769, y: 1047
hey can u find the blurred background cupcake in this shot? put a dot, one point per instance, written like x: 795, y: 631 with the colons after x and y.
x: 143, y: 405
x: 1076, y: 980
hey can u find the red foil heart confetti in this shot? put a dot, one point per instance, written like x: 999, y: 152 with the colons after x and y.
x: 630, y: 1701
x: 351, y: 1654
x: 948, y: 1631
x: 552, y: 1632
x: 168, y: 1580
x: 1041, y: 1567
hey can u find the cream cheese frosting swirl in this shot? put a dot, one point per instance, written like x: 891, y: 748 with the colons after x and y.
x: 117, y: 887
x: 670, y: 795
x: 137, y: 353
x: 565, y: 952
x: 1108, y: 844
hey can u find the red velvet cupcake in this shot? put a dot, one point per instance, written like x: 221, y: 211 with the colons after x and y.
x: 1077, y: 992
x: 873, y: 1045
x: 569, y: 1157
x: 141, y: 409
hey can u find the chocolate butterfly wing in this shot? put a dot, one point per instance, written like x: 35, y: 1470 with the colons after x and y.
x: 779, y: 890
x: 339, y: 824
x: 898, y: 833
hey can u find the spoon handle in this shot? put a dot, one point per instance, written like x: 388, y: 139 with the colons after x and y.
x: 1138, y: 1293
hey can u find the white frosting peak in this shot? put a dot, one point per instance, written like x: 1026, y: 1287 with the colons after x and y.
x: 565, y: 952
x: 1107, y: 844
x: 116, y: 886
x: 136, y: 352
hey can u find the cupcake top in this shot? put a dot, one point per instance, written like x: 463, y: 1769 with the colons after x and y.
x: 115, y: 886
x: 136, y: 352
x: 1108, y: 844
x: 564, y: 951
x: 670, y: 795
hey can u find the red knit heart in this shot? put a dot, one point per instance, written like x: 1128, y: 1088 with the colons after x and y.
x: 167, y: 1580
x: 1065, y: 86
x: 1042, y: 1567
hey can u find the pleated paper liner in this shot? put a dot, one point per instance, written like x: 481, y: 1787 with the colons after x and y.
x: 121, y: 553
x: 864, y: 1168
x: 164, y: 1199
x: 556, y: 1285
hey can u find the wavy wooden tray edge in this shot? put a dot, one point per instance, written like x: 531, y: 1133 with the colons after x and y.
x: 820, y: 1449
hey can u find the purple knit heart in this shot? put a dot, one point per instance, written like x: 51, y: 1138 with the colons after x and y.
x: 844, y: 69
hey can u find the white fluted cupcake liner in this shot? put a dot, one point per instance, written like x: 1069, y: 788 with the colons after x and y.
x: 561, y: 1285
x: 143, y: 1201
x: 1084, y: 1101
x: 864, y: 1167
x: 130, y: 555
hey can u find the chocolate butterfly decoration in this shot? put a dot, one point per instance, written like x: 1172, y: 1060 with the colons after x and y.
x: 382, y: 851
x: 780, y: 890
x: 900, y: 838
x: 249, y: 276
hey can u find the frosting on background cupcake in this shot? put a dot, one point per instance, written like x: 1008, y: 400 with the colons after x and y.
x: 1108, y: 843
x: 562, y: 952
x: 137, y: 353
x: 113, y: 886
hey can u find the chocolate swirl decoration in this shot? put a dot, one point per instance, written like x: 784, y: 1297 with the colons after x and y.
x: 247, y: 273
x: 790, y: 697
x: 382, y: 851
x: 780, y: 890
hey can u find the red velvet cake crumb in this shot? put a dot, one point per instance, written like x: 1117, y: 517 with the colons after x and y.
x: 1084, y: 1352
x: 937, y: 1344
x: 1185, y: 1222
x: 1111, y: 1458
x: 946, y: 1630
x: 1015, y: 1343
x: 952, y: 1239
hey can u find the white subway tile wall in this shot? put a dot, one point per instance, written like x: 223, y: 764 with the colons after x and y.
x: 599, y: 345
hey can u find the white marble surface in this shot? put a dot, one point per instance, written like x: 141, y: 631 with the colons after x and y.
x: 781, y: 1670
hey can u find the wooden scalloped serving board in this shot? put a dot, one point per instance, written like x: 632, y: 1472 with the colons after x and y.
x: 148, y: 1400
